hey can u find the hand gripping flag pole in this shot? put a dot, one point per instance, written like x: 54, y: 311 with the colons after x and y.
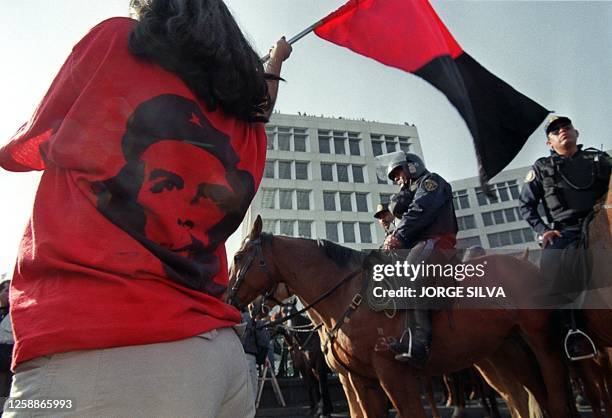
x: 297, y: 37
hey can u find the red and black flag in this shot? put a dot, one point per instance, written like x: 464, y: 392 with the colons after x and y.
x: 409, y: 35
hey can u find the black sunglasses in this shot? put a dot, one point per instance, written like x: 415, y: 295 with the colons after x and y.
x: 558, y: 129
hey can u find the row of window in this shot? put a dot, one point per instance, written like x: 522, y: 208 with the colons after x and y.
x: 282, y: 169
x: 502, y: 216
x: 294, y: 139
x: 290, y: 228
x: 346, y: 173
x: 500, y: 192
x: 347, y: 232
x: 494, y: 217
x: 383, y: 144
x: 285, y: 199
x: 466, y: 222
x: 343, y: 142
x: 499, y: 239
x: 516, y: 236
x: 287, y: 139
x: 345, y: 201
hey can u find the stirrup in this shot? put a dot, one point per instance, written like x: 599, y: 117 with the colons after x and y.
x: 578, y: 332
x: 404, y: 355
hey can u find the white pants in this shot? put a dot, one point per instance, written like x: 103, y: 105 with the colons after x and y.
x: 204, y: 376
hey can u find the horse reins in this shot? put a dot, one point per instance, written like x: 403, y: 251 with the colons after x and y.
x: 271, y: 288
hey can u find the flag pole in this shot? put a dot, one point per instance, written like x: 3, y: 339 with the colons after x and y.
x: 298, y: 37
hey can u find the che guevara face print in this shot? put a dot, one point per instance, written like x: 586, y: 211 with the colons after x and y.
x: 180, y: 193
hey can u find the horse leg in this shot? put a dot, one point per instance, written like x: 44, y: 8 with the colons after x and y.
x: 327, y: 406
x: 351, y: 396
x: 592, y: 384
x: 554, y: 372
x: 372, y: 398
x: 430, y: 398
x: 402, y: 387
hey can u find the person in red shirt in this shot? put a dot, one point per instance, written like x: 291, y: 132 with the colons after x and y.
x: 152, y: 146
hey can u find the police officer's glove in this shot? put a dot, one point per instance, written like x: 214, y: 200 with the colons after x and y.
x: 392, y: 243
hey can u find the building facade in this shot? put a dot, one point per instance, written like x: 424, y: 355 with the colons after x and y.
x: 320, y: 178
x: 492, y: 221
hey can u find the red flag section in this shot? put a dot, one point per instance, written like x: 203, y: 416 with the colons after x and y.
x: 409, y: 35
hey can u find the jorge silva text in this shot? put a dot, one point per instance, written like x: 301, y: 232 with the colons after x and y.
x: 440, y: 292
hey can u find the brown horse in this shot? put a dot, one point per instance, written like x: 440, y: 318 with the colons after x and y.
x: 600, y: 248
x: 360, y: 351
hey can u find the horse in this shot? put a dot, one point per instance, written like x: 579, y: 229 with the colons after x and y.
x: 305, y: 350
x: 324, y: 272
x: 599, y: 244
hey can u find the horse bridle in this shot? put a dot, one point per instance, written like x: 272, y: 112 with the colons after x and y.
x: 270, y: 286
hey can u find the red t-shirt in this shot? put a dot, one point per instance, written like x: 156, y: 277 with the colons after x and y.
x: 141, y: 187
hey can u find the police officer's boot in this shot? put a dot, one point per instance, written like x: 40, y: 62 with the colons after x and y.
x: 414, y: 345
x: 578, y: 345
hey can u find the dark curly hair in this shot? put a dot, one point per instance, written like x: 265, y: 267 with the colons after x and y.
x: 200, y: 41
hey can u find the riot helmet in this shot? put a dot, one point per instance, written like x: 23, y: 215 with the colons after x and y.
x: 411, y: 163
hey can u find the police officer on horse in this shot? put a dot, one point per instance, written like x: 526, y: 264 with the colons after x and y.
x: 568, y: 183
x: 424, y: 207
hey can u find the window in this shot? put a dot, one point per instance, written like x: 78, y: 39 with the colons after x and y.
x: 466, y: 222
x: 339, y: 147
x: 510, y: 214
x: 354, y: 146
x: 498, y: 217
x: 385, y: 197
x: 269, y: 225
x: 301, y: 170
x: 516, y: 236
x: 348, y: 229
x: 460, y: 199
x: 345, y: 202
x: 303, y: 199
x: 503, y: 192
x: 501, y: 216
x: 331, y: 231
x: 286, y: 228
x: 324, y: 142
x: 357, y: 174
x: 391, y: 146
x: 326, y: 172
x: 342, y: 171
x: 468, y: 242
x: 270, y: 135
x: 267, y: 198
x: 284, y: 141
x: 365, y: 232
x: 299, y: 139
x: 329, y: 200
x: 284, y: 169
x: 481, y: 197
x: 305, y: 229
x: 285, y: 199
x: 514, y: 189
x: 362, y: 202
x: 377, y: 148
x: 487, y: 218
x: 269, y: 170
x: 404, y: 144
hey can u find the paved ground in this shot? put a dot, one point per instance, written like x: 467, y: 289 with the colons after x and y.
x: 302, y: 412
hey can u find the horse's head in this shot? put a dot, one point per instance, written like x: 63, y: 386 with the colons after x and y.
x: 250, y: 272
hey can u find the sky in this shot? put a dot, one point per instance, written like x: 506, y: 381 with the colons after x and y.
x: 557, y: 53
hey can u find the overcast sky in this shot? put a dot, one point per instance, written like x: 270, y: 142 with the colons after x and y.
x: 557, y: 53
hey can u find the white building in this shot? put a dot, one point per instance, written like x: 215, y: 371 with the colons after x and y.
x: 320, y: 177
x: 492, y: 222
